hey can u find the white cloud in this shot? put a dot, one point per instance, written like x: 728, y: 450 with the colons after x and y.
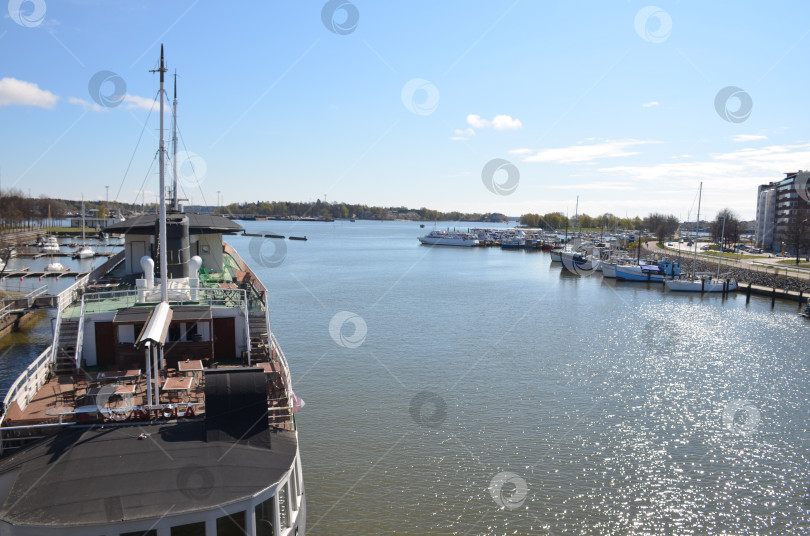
x: 499, y: 122
x: 650, y: 104
x: 522, y: 150
x: 476, y: 121
x: 593, y: 186
x: 506, y: 122
x: 461, y: 135
x: 586, y: 153
x: 738, y: 171
x: 87, y: 106
x: 21, y: 93
x: 749, y: 137
x: 133, y: 101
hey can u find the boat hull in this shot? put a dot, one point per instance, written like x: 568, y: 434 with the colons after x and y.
x: 704, y: 285
x: 462, y: 242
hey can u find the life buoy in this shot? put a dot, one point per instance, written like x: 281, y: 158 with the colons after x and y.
x: 168, y: 413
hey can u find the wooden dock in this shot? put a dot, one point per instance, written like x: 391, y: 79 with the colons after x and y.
x: 773, y: 293
x: 25, y: 273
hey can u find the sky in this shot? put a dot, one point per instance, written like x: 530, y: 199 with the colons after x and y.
x: 477, y: 106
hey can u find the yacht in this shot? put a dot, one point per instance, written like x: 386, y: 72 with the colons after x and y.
x: 660, y: 271
x: 50, y: 245
x: 448, y: 238
x: 163, y: 408
x: 703, y: 282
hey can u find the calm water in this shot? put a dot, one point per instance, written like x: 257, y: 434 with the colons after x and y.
x: 480, y: 391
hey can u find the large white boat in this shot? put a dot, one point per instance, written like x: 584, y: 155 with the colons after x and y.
x: 660, y: 271
x: 165, y: 408
x: 448, y: 238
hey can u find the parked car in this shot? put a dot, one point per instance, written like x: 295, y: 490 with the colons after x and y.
x: 756, y: 250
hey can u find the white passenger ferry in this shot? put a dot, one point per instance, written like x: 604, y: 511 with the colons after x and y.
x: 162, y: 409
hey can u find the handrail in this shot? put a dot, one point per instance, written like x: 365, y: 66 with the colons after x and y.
x: 213, y: 296
x: 21, y: 384
x: 56, y: 327
x: 28, y: 428
x: 247, y: 330
x: 80, y: 337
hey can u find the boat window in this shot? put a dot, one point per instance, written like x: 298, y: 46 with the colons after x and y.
x: 174, y: 332
x: 152, y: 532
x: 191, y: 332
x: 265, y: 517
x: 231, y: 525
x: 190, y: 529
x: 283, y: 510
x: 294, y: 488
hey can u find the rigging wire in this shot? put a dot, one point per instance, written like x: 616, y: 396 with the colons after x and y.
x: 118, y: 193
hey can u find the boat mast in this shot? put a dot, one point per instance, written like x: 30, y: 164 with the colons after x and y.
x: 697, y: 225
x: 722, y: 239
x: 84, y: 242
x: 174, y: 143
x: 164, y: 276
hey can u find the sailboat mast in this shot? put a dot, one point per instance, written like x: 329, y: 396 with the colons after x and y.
x: 84, y: 242
x: 722, y: 240
x: 174, y: 144
x: 697, y: 225
x: 164, y: 275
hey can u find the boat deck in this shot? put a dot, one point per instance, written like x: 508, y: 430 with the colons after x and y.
x: 115, y: 394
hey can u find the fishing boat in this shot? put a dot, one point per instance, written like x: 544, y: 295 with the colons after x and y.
x: 163, y: 408
x: 448, y: 238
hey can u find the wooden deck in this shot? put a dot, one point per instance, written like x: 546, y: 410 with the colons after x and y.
x: 60, y: 397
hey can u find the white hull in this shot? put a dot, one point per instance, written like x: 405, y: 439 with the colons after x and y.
x: 448, y: 241
x: 609, y: 270
x: 85, y: 253
x: 705, y: 285
x: 556, y: 255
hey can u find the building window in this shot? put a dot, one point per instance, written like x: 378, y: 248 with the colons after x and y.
x: 190, y: 529
x: 192, y: 333
x: 231, y: 525
x: 152, y: 532
x: 265, y: 518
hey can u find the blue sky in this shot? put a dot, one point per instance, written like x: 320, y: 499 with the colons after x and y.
x: 405, y: 103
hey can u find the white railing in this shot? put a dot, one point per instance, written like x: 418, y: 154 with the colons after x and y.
x: 231, y: 298
x: 28, y: 383
x: 71, y: 294
x: 80, y: 337
x: 57, y: 325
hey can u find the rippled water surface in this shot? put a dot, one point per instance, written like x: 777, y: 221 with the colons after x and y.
x: 481, y: 391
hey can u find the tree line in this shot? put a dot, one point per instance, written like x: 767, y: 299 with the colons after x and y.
x: 324, y: 210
